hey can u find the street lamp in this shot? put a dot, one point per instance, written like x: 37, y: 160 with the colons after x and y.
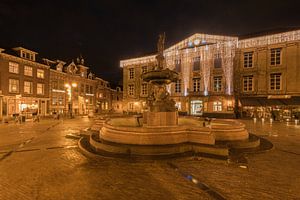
x: 70, y: 100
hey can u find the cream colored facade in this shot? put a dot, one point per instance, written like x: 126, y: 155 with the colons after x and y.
x: 271, y: 82
x: 212, y: 73
x: 205, y: 66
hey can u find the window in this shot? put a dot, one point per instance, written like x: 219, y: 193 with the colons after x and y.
x: 131, y: 90
x: 28, y: 87
x: 82, y: 88
x: 131, y: 73
x: 218, y: 84
x: 60, y: 100
x: 217, y: 61
x: 13, y: 85
x: 91, y: 89
x: 144, y: 89
x: 40, y: 73
x: 248, y: 59
x: 276, y: 56
x: 196, y: 63
x: 275, y: 81
x: 40, y: 88
x: 248, y: 83
x: 178, y: 65
x: 27, y: 71
x: 178, y: 86
x: 13, y: 67
x: 55, y: 84
x: 217, y: 106
x: 131, y: 106
x: 54, y: 101
x: 196, y: 84
x: 144, y: 69
x: 87, y: 89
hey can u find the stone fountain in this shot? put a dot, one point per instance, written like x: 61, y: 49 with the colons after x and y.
x: 162, y: 131
x: 162, y: 111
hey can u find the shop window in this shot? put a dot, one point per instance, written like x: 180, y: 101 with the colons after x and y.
x: 217, y: 106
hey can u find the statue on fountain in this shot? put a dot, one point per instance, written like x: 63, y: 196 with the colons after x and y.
x: 159, y: 100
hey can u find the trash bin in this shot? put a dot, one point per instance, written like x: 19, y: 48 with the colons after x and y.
x: 23, y: 118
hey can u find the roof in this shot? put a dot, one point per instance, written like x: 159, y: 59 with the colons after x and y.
x: 268, y: 32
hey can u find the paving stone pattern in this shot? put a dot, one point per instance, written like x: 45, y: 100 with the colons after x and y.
x: 51, y: 166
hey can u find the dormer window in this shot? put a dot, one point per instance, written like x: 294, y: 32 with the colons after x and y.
x: 26, y: 53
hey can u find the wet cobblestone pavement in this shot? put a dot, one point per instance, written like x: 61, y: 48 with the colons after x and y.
x: 44, y: 164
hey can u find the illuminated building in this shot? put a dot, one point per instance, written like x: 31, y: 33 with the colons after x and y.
x: 31, y: 85
x: 204, y: 63
x: 219, y: 74
x: 24, y: 84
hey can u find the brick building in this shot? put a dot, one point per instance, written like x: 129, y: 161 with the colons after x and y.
x: 24, y: 84
x: 44, y: 86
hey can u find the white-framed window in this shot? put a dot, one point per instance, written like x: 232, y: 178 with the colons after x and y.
x: 178, y: 86
x: 27, y: 70
x: 218, y: 83
x: 275, y: 56
x: 14, y: 85
x: 217, y: 106
x: 144, y: 69
x: 40, y: 87
x: 275, y: 81
x: 28, y: 87
x: 196, y: 84
x: 13, y: 67
x: 248, y: 59
x: 131, y: 73
x: 40, y: 73
x: 144, y: 89
x: 247, y: 83
x: 131, y: 90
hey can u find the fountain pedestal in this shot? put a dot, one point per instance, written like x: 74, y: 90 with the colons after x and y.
x: 152, y: 119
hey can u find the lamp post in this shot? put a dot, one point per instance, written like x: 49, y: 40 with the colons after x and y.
x: 70, y: 99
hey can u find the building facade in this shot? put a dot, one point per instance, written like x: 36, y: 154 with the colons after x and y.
x: 44, y: 86
x: 24, y: 83
x: 268, y: 75
x: 223, y: 76
x: 204, y: 63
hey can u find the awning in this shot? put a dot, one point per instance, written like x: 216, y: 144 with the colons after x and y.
x: 264, y: 101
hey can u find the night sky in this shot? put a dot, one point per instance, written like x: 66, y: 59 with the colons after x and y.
x: 104, y: 32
